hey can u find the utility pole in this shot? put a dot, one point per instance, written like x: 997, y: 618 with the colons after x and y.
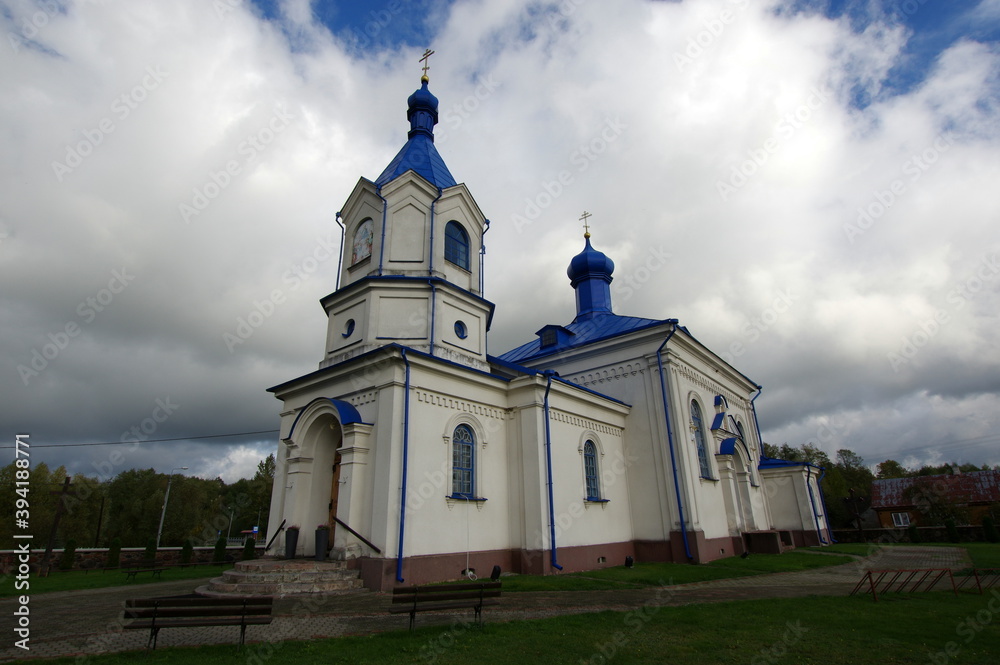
x: 60, y: 506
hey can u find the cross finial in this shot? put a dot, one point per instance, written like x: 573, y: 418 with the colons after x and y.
x: 586, y: 226
x: 427, y: 54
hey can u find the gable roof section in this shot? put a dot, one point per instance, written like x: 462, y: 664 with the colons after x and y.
x: 973, y: 487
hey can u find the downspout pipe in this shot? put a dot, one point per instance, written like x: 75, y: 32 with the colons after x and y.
x: 433, y: 286
x: 812, y: 503
x: 670, y: 438
x: 482, y: 260
x: 381, y: 244
x: 822, y: 502
x: 430, y: 263
x: 406, y: 446
x: 549, y: 374
x: 343, y: 236
x: 753, y: 409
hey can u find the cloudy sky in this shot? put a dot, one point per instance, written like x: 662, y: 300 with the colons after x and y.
x: 810, y: 187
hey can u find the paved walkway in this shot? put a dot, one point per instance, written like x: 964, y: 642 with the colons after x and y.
x: 87, y: 622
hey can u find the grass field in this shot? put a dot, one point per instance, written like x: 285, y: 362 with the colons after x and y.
x: 77, y: 579
x: 662, y: 574
x: 920, y: 628
x: 983, y: 555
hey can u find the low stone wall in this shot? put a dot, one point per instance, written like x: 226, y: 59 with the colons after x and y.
x: 928, y: 534
x: 98, y: 557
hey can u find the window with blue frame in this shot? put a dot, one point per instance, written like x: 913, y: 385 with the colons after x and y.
x: 463, y: 447
x: 699, y: 440
x: 590, y: 471
x: 456, y: 245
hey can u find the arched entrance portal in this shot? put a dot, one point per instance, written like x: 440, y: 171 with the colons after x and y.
x: 313, y: 471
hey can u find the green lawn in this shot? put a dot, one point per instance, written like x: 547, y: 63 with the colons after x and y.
x: 77, y: 579
x: 857, y: 549
x: 663, y: 574
x: 831, y: 631
x: 983, y: 555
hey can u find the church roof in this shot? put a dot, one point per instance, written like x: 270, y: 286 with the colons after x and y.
x: 419, y: 154
x: 601, y: 326
x: 972, y: 487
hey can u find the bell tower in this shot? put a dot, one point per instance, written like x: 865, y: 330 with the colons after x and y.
x: 412, y: 259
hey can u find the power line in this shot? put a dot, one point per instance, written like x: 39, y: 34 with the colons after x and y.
x: 120, y: 443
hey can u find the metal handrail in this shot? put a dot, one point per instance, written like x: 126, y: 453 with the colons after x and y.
x: 280, y: 527
x: 356, y: 535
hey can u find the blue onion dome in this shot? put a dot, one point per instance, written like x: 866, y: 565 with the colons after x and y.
x: 590, y: 263
x: 422, y: 111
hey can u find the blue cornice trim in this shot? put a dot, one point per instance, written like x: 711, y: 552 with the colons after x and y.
x: 411, y: 278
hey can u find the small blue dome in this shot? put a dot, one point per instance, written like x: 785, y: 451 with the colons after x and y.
x: 422, y: 111
x: 590, y: 263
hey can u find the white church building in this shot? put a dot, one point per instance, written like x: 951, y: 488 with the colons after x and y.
x: 603, y: 437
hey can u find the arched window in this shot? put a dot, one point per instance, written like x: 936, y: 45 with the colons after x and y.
x: 463, y: 446
x: 590, y: 471
x: 699, y: 439
x: 746, y: 444
x: 456, y: 245
x: 362, y: 244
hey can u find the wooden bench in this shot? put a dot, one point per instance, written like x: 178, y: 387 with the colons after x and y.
x: 196, y: 611
x: 133, y: 569
x: 474, y: 595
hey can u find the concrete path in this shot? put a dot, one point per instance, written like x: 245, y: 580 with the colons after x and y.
x: 75, y: 623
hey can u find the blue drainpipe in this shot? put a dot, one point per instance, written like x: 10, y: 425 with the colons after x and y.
x: 381, y: 244
x: 340, y: 259
x: 402, y: 492
x: 670, y: 439
x: 482, y: 260
x: 753, y: 409
x: 430, y: 263
x: 812, y: 503
x: 822, y: 502
x: 548, y: 466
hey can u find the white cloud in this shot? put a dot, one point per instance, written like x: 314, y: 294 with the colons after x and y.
x: 524, y: 96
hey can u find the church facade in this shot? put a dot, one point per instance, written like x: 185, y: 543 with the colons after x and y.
x: 601, y: 438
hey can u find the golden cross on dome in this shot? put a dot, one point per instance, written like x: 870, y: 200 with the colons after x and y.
x: 427, y: 54
x: 586, y: 227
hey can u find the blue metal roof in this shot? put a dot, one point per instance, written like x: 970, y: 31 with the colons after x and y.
x: 601, y: 326
x: 346, y: 413
x: 418, y: 155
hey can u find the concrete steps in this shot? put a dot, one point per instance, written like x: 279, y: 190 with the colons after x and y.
x: 279, y: 578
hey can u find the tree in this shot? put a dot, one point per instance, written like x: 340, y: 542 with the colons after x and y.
x: 135, y: 500
x: 219, y: 555
x: 248, y: 549
x: 68, y: 556
x: 187, y: 550
x: 990, y: 530
x: 265, y: 469
x: 41, y: 483
x: 934, y: 504
x: 114, y: 553
x: 891, y: 469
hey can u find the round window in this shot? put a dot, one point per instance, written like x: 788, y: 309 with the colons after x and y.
x: 349, y: 328
x: 461, y: 330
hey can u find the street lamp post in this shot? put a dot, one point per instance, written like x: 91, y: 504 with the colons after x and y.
x: 163, y: 513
